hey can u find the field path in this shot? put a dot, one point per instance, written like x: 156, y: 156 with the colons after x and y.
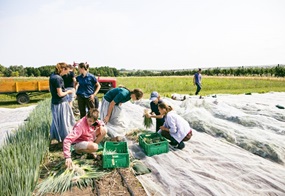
x: 10, y: 119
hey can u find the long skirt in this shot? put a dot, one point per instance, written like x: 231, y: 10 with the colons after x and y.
x: 117, y: 125
x: 62, y: 121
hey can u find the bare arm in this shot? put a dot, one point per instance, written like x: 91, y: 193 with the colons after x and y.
x: 156, y: 116
x: 60, y: 93
x: 98, y: 86
x: 74, y: 82
x: 110, y: 109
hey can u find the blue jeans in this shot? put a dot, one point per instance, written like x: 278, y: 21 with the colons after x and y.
x: 198, y: 88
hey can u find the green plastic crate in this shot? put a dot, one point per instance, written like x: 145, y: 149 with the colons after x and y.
x: 119, y: 156
x: 158, y: 147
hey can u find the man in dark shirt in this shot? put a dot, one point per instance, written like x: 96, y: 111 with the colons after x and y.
x: 155, y: 100
x: 197, y: 80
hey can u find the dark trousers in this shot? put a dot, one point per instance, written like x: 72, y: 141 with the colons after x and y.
x: 84, y: 103
x: 198, y: 88
x: 167, y: 135
x: 159, y: 122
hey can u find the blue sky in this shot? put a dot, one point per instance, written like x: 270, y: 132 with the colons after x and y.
x: 143, y: 34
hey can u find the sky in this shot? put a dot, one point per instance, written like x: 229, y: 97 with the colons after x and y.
x: 143, y: 34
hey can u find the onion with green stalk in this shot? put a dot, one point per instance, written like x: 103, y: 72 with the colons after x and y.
x: 62, y: 179
x: 147, y: 120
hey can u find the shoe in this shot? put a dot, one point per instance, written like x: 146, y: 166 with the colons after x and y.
x: 181, y: 145
x: 91, y: 155
x: 117, y: 139
x: 76, y: 154
x: 173, y: 143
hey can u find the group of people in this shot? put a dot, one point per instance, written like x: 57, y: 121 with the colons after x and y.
x: 85, y: 135
x: 88, y: 132
x: 168, y: 123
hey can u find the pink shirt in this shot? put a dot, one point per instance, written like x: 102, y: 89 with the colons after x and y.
x: 81, y: 132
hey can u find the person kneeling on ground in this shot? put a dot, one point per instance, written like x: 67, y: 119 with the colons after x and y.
x: 175, y: 128
x: 85, y: 132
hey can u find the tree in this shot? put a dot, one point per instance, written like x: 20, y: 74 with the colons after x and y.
x: 2, y: 70
x: 46, y: 70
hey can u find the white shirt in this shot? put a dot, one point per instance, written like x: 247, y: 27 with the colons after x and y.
x: 178, y: 126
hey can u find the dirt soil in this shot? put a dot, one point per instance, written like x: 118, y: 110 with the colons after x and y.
x: 110, y: 184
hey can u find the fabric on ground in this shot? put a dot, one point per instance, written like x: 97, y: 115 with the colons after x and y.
x: 235, y: 148
x: 10, y: 120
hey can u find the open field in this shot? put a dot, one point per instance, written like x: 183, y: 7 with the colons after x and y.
x: 177, y: 84
x: 236, y: 137
x: 210, y: 85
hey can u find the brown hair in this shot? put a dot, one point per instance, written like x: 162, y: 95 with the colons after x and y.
x: 59, y: 67
x: 168, y: 108
x: 70, y: 66
x: 84, y: 65
x: 93, y: 113
x: 138, y: 93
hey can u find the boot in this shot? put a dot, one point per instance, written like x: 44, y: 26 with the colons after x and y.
x: 181, y: 145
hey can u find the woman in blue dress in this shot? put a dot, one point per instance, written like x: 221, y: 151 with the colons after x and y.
x: 62, y: 115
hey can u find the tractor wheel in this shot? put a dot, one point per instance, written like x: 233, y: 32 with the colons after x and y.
x: 23, y: 98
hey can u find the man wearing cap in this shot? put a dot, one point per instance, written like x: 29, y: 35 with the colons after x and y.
x: 154, y: 101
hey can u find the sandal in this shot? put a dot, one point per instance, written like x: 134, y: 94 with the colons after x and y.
x: 76, y: 154
x: 92, y: 155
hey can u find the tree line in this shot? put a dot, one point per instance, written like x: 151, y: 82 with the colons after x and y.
x: 45, y: 71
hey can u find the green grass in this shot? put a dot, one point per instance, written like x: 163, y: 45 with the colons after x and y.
x: 9, y: 101
x: 181, y: 85
x: 210, y: 85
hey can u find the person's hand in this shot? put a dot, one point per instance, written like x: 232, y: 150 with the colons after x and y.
x: 163, y: 128
x: 91, y: 98
x: 106, y: 119
x: 69, y: 91
x: 68, y: 163
x: 147, y: 115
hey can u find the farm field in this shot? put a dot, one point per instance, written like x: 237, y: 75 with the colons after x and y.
x: 166, y: 86
x: 211, y: 117
x: 238, y: 137
x: 210, y: 85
